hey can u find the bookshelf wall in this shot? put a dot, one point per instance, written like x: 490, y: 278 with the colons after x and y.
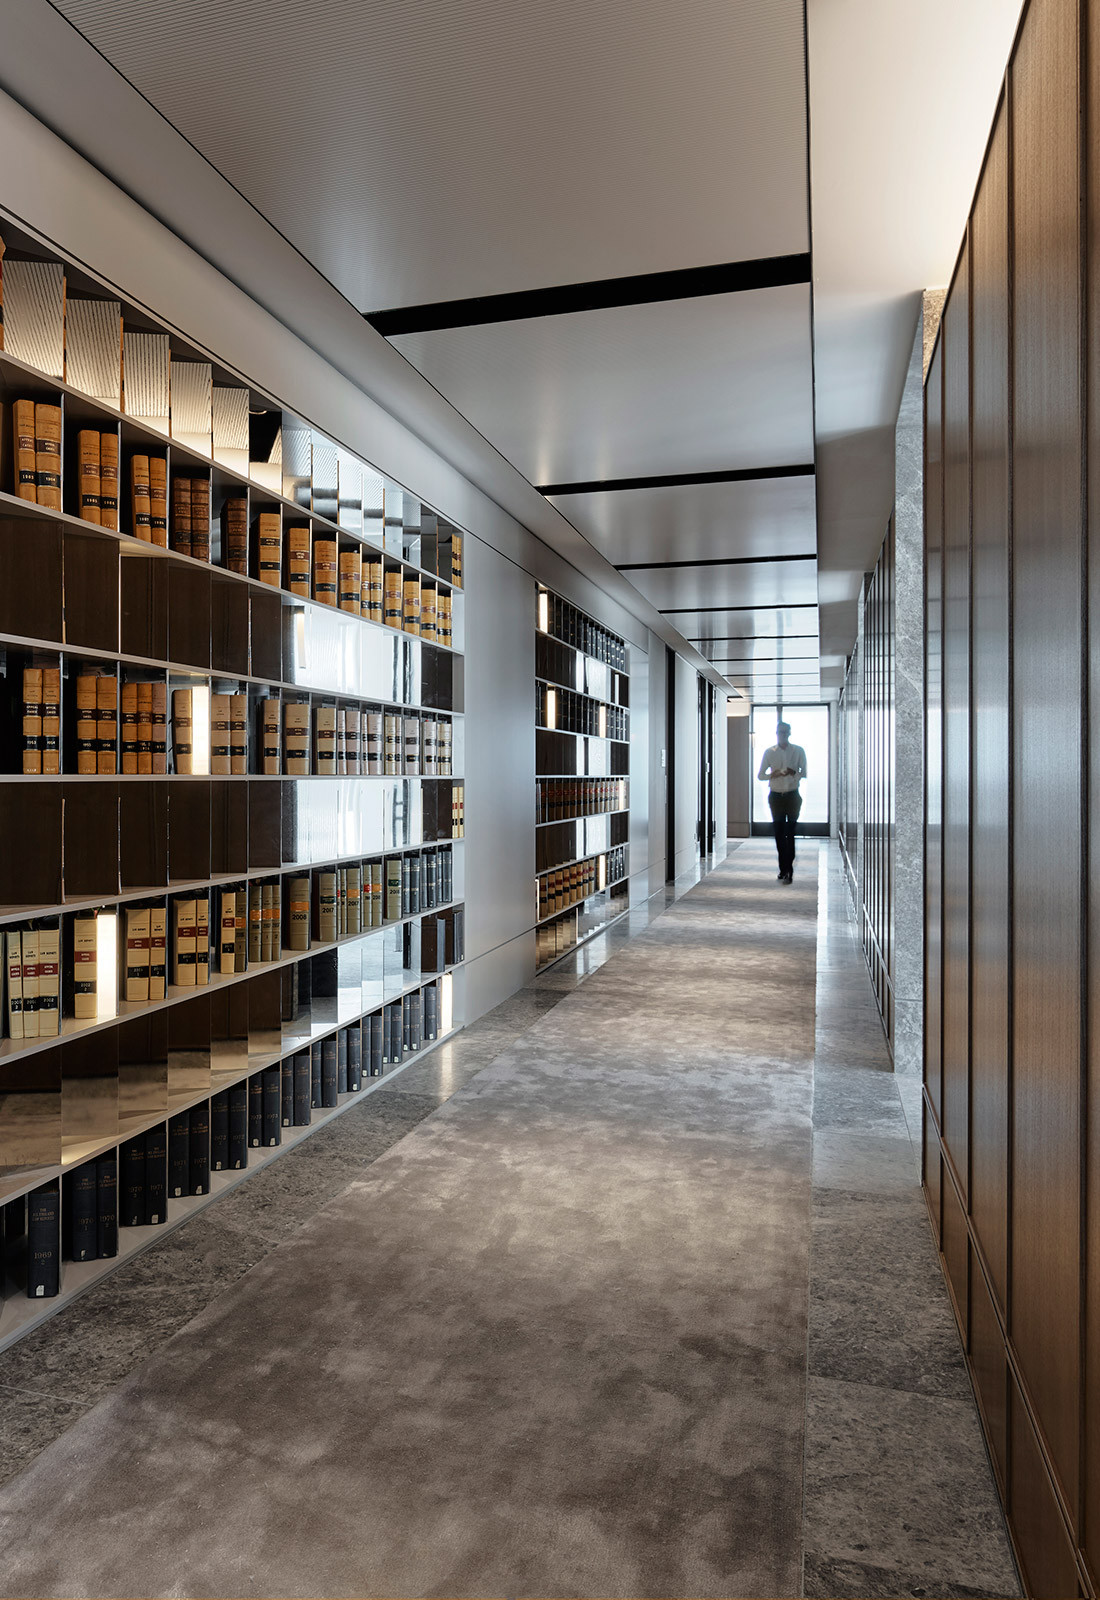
x: 582, y: 782
x: 231, y: 779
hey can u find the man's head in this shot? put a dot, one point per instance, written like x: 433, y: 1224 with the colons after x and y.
x: 782, y: 734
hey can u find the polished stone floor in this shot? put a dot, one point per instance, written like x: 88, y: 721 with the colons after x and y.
x: 867, y: 1452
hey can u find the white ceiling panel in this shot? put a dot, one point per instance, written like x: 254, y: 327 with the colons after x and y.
x: 762, y: 583
x: 703, y: 626
x: 698, y: 385
x: 770, y: 516
x: 432, y: 151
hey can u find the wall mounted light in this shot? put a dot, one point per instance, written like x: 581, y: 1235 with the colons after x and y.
x: 200, y: 731
x: 106, y: 958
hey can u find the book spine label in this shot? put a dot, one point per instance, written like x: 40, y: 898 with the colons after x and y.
x: 108, y: 480
x: 272, y: 1105
x: 88, y: 469
x: 26, y: 482
x: 156, y: 1175
x: 47, y: 455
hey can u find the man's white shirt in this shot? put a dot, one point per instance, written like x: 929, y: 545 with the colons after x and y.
x: 776, y: 756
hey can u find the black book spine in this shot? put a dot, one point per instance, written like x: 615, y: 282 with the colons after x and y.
x: 198, y: 1151
x: 416, y: 1020
x: 375, y: 1059
x: 342, y: 1061
x: 425, y: 889
x: 238, y: 1127
x: 406, y: 1024
x: 431, y: 1012
x: 106, y: 1211
x: 355, y: 1059
x: 256, y: 1111
x: 219, y: 1131
x: 315, y: 1074
x: 131, y: 1195
x: 81, y: 1192
x: 303, y: 1096
x: 272, y: 1104
x: 287, y: 1092
x: 406, y: 885
x: 329, y: 1072
x: 44, y: 1243
x: 179, y: 1163
x: 156, y: 1174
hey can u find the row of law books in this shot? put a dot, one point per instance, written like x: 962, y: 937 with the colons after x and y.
x: 81, y: 965
x: 78, y: 1219
x: 564, y: 887
x: 560, y: 799
x: 569, y: 712
x: 120, y: 725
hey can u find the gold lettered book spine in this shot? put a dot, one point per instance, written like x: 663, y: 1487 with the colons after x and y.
x: 106, y: 699
x: 139, y: 498
x: 47, y: 455
x: 238, y: 734
x: 158, y: 952
x: 324, y: 571
x: 298, y: 575
x: 32, y: 720
x: 181, y: 731
x: 200, y: 518
x: 351, y: 578
x: 51, y: 720
x: 393, y: 599
x: 85, y: 976
x: 128, y: 727
x: 88, y: 457
x: 26, y: 478
x: 86, y: 725
x: 108, y: 480
x: 227, y: 945
x: 411, y: 605
x: 158, y: 501
x: 219, y: 735
x: 137, y: 954
x: 269, y: 564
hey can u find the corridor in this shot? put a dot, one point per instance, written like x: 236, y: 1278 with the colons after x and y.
x: 628, y: 1291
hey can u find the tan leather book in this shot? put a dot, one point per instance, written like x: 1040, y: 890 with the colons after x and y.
x: 88, y: 459
x: 128, y: 727
x: 49, y: 982
x: 160, y: 728
x: 393, y: 600
x: 219, y: 735
x: 47, y: 455
x: 139, y: 498
x: 269, y: 543
x: 296, y: 735
x: 324, y: 571
x: 158, y: 952
x: 181, y: 731
x: 106, y: 700
x: 411, y: 604
x: 375, y: 592
x: 238, y: 734
x: 227, y: 944
x: 392, y: 744
x: 443, y: 617
x: 108, y: 480
x: 298, y: 575
x: 85, y: 962
x: 298, y: 907
x: 144, y: 728
x: 411, y: 746
x: 351, y: 577
x: 185, y: 914
x: 181, y: 515
x: 456, y: 558
x: 51, y: 720
x: 86, y: 723
x: 200, y: 519
x: 202, y: 940
x: 324, y: 740
x: 158, y: 501
x: 137, y: 954
x: 26, y: 481
x: 270, y: 736
x: 32, y: 720
x: 427, y: 612
x: 235, y: 533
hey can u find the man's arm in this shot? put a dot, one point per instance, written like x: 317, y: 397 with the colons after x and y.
x: 801, y: 762
x: 765, y: 764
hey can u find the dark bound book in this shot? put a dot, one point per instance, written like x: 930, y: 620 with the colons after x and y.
x: 416, y: 1022
x: 431, y: 1013
x: 272, y: 1104
x: 406, y: 1024
x: 286, y: 1092
x: 355, y: 1059
x: 219, y: 1131
x: 106, y: 1206
x: 179, y: 1165
x: 315, y: 1074
x: 156, y: 1173
x: 131, y: 1188
x: 80, y: 1207
x: 329, y: 1072
x: 198, y: 1153
x: 342, y: 1061
x: 238, y: 1127
x: 255, y: 1111
x: 375, y: 1060
x: 303, y: 1095
x: 44, y: 1242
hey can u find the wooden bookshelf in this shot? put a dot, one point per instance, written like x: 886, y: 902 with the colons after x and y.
x: 373, y: 640
x: 582, y: 783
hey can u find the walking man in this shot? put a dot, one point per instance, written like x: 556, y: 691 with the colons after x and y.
x: 784, y: 764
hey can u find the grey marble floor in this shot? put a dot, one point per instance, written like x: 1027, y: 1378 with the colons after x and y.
x: 898, y: 1497
x: 899, y: 1494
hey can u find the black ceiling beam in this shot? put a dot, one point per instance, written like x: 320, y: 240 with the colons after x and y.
x: 711, y: 561
x: 779, y: 605
x: 646, y: 288
x: 679, y: 480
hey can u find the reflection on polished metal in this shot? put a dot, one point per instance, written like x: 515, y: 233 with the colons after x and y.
x: 30, y: 1118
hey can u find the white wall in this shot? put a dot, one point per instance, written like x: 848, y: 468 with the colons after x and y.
x: 687, y: 767
x: 739, y: 794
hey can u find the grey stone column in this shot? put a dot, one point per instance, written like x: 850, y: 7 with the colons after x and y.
x: 909, y: 721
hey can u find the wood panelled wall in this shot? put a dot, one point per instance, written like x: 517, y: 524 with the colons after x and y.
x: 1012, y: 842
x: 878, y: 779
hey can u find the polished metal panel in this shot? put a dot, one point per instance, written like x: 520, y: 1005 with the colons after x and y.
x: 762, y: 583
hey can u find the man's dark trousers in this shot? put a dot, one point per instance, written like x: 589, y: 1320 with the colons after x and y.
x: 785, y: 809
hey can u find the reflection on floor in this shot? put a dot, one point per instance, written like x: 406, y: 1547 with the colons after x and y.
x: 666, y: 1456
